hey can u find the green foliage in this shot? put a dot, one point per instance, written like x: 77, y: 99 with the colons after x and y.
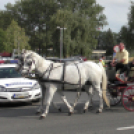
x: 81, y: 22
x: 40, y: 19
x: 16, y: 38
x: 5, y: 19
x: 127, y: 32
x: 107, y: 40
x: 2, y: 39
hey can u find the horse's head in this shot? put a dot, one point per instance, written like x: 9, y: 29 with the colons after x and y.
x: 29, y: 63
x: 21, y: 59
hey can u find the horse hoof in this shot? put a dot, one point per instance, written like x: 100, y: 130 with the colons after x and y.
x: 90, y: 107
x: 99, y: 111
x: 59, y: 110
x: 84, y: 111
x: 37, y: 113
x: 70, y: 113
x: 41, y: 117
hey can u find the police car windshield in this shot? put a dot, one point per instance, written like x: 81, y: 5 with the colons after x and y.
x: 9, y: 72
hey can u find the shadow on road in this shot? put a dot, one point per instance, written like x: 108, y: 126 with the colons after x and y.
x: 27, y: 109
x: 12, y: 105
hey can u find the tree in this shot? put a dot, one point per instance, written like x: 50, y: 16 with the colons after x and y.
x: 108, y: 40
x: 16, y: 38
x: 127, y: 32
x: 40, y: 19
x: 2, y: 40
x: 5, y: 19
x: 81, y: 21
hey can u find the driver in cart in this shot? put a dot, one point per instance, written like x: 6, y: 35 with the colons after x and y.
x: 120, y: 61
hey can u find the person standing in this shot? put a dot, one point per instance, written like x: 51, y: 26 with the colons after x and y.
x: 120, y: 60
x: 101, y: 60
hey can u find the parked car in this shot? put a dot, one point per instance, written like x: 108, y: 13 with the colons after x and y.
x: 8, y: 60
x: 15, y: 88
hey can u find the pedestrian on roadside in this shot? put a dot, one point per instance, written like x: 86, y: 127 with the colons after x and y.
x: 102, y: 61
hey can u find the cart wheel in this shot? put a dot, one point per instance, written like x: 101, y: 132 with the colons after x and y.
x: 114, y: 96
x: 128, y: 98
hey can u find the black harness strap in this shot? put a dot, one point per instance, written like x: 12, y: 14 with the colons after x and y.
x: 79, y: 75
x: 56, y: 81
x: 51, y: 68
x: 48, y: 69
x: 63, y: 77
x: 63, y: 82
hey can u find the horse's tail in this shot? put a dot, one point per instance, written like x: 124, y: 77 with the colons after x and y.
x: 104, y: 85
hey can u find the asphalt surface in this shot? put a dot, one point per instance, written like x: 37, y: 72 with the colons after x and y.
x: 21, y: 119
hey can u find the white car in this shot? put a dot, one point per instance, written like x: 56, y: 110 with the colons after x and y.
x: 15, y: 88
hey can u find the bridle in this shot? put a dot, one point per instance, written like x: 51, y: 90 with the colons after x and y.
x: 47, y: 71
x: 29, y: 65
x: 22, y: 60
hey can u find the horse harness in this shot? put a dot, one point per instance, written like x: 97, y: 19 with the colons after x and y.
x: 63, y: 82
x: 50, y: 68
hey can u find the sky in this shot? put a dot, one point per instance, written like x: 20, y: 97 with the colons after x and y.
x: 116, y: 12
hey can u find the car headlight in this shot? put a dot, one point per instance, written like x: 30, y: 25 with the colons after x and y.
x: 2, y: 89
x: 36, y: 86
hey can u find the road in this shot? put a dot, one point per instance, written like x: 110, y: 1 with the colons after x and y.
x: 21, y: 119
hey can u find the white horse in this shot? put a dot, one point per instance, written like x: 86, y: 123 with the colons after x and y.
x: 42, y: 85
x: 75, y: 76
x: 21, y: 60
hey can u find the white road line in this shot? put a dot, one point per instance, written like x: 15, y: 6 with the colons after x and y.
x: 125, y: 128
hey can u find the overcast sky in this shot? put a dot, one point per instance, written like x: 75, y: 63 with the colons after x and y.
x: 116, y: 12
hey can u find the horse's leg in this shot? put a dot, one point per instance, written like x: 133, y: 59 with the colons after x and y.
x: 101, y: 100
x: 76, y: 98
x: 63, y: 97
x: 40, y: 108
x: 56, y: 106
x: 96, y: 86
x: 89, y: 91
x: 49, y: 94
x: 91, y: 97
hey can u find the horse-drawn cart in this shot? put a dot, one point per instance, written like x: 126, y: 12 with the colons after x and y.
x: 120, y: 92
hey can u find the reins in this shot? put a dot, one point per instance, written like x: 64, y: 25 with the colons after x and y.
x: 50, y: 68
x: 63, y: 82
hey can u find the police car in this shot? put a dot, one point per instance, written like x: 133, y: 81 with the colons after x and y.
x: 15, y: 88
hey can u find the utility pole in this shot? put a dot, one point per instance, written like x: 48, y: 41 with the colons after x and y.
x: 61, y: 41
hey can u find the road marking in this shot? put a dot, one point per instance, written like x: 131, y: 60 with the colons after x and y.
x: 125, y: 128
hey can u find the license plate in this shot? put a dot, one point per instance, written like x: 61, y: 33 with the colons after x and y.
x: 20, y: 96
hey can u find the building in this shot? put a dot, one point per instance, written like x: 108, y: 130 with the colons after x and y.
x: 96, y: 54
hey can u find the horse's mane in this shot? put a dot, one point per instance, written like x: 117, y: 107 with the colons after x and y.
x: 30, y: 53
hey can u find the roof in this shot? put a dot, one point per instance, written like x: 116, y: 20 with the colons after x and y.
x: 8, y: 65
x: 99, y: 51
